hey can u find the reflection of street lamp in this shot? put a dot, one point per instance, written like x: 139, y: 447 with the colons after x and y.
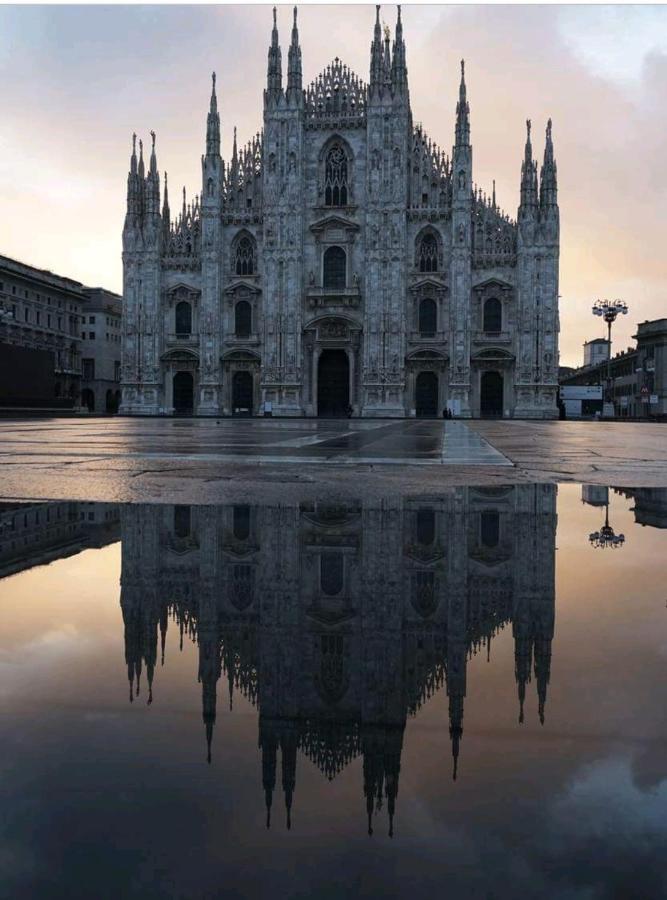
x: 609, y: 310
x: 606, y: 537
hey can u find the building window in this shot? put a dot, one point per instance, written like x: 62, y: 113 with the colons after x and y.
x: 116, y: 370
x: 183, y: 318
x: 48, y: 321
x: 331, y: 573
x: 335, y: 177
x: 425, y: 527
x: 182, y: 521
x: 245, y: 256
x: 428, y: 254
x: 242, y: 319
x: 334, y: 269
x: 38, y: 317
x: 490, y: 529
x: 91, y: 335
x: 241, y: 524
x: 493, y: 315
x: 88, y: 369
x: 428, y: 317
x: 26, y: 315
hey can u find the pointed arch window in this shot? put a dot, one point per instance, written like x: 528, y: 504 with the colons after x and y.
x: 334, y: 268
x: 242, y: 319
x: 428, y: 254
x: 493, y: 315
x: 245, y: 256
x: 428, y: 317
x: 336, y: 177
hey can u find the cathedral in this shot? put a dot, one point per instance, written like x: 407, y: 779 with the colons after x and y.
x: 338, y: 621
x: 341, y: 263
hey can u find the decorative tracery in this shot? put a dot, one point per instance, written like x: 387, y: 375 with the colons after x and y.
x: 428, y: 253
x: 336, y: 176
x: 245, y: 256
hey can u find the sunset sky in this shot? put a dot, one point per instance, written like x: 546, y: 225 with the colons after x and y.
x: 78, y: 80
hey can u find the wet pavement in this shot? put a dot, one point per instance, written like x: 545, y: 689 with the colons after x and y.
x: 208, y: 460
x: 463, y: 686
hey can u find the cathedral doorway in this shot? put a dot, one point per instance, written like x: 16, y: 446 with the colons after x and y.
x: 491, y: 394
x: 183, y: 394
x: 242, y: 394
x: 426, y: 394
x: 333, y: 383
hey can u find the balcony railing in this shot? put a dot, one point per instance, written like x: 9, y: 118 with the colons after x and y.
x: 183, y: 339
x: 427, y: 336
x: 327, y: 296
x: 492, y: 337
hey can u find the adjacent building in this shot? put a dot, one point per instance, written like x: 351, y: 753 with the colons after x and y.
x: 638, y: 377
x: 101, y: 330
x: 40, y: 322
x: 341, y: 263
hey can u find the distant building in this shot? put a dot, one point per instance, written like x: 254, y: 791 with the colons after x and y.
x: 40, y: 317
x: 596, y: 351
x: 639, y: 377
x: 34, y: 534
x: 100, y: 351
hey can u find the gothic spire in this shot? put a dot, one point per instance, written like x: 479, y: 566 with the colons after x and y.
x: 152, y: 169
x: 548, y: 179
x: 386, y: 57
x: 528, y: 174
x: 399, y: 69
x: 294, y: 74
x: 462, y: 113
x: 140, y: 170
x: 376, y: 53
x: 274, y: 78
x: 213, y: 124
x: 133, y: 186
x: 133, y: 158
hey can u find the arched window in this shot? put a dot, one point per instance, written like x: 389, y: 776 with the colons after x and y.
x: 245, y: 256
x: 183, y: 317
x: 241, y: 526
x: 334, y: 275
x: 490, y: 528
x: 425, y: 526
x: 428, y: 254
x: 428, y: 316
x: 242, y: 319
x: 493, y: 315
x: 182, y: 521
x: 335, y: 177
x: 331, y: 573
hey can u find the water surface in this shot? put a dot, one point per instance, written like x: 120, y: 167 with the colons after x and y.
x: 451, y: 693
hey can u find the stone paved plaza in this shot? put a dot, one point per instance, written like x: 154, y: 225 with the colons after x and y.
x: 208, y: 460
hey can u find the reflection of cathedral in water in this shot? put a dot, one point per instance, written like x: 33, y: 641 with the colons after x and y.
x: 338, y: 621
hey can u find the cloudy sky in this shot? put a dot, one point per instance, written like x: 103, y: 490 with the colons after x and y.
x: 78, y: 80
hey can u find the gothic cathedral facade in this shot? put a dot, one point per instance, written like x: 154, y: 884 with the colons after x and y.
x: 341, y: 264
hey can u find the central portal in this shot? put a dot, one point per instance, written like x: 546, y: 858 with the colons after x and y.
x: 333, y: 383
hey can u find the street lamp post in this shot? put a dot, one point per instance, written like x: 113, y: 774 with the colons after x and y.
x: 609, y: 310
x: 606, y: 536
